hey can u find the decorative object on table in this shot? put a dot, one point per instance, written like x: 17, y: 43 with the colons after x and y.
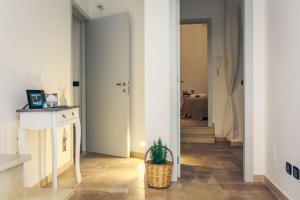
x: 36, y: 98
x: 52, y: 100
x: 63, y: 99
x: 158, y: 169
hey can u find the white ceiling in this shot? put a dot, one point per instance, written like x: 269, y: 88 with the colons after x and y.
x: 111, y: 7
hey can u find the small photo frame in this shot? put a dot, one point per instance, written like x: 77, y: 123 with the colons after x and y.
x: 36, y: 98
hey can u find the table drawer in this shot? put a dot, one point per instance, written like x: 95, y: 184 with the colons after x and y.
x: 67, y: 115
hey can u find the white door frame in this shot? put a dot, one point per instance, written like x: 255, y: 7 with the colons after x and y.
x: 83, y: 17
x: 248, y: 77
x: 248, y: 99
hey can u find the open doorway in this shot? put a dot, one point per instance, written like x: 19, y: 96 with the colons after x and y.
x: 195, y: 81
x: 211, y: 87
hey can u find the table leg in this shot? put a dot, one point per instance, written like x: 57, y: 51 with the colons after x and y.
x: 54, y: 157
x: 21, y: 141
x: 77, y: 150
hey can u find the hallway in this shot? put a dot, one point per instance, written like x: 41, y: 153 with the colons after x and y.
x: 209, y: 172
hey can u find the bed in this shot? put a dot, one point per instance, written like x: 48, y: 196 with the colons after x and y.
x: 195, y: 106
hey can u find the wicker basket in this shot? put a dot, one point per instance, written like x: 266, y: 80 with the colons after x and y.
x: 159, y: 176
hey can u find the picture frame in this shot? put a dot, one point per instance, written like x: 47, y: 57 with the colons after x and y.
x: 36, y: 99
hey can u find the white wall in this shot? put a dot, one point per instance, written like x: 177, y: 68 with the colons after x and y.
x: 136, y: 12
x: 161, y: 70
x: 259, y: 77
x: 282, y: 93
x: 35, y: 53
x: 157, y: 71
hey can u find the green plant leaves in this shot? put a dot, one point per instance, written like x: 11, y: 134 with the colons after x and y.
x: 158, y: 153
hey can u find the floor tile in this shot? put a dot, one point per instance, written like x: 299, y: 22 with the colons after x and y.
x: 208, y: 172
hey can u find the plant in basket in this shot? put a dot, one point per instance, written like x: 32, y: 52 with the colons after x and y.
x: 158, y: 168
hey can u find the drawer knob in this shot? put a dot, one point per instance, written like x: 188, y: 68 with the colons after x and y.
x: 64, y: 116
x: 72, y: 113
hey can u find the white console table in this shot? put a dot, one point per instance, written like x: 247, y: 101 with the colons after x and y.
x: 52, y: 118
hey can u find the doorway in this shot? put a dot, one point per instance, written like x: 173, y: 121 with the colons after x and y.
x: 195, y: 73
x: 207, y: 141
x: 108, y: 72
x: 101, y: 81
x: 113, y: 44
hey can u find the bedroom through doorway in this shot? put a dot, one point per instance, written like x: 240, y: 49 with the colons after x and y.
x: 194, y: 80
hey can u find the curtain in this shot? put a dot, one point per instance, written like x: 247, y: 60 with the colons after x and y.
x: 232, y: 65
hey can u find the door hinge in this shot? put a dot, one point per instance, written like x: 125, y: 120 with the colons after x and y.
x: 177, y: 160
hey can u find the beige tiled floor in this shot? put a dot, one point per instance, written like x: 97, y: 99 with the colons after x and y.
x: 46, y: 194
x: 209, y: 172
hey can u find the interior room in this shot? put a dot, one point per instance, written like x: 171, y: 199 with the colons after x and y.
x: 194, y: 74
x: 149, y: 99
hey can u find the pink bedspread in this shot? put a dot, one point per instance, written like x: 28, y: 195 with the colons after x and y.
x: 195, y: 106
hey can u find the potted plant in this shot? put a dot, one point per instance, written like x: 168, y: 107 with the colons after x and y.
x: 158, y: 168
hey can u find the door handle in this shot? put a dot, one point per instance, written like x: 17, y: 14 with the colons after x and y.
x: 121, y: 84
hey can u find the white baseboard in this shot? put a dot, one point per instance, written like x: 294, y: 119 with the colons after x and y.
x: 276, y: 191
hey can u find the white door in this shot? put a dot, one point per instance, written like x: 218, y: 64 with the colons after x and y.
x: 108, y: 66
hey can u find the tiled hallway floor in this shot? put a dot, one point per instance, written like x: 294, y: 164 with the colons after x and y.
x: 209, y: 171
